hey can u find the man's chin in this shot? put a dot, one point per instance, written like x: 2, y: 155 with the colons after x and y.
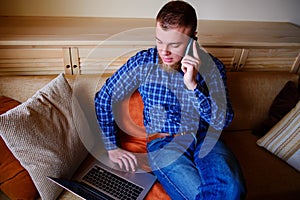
x: 173, y: 66
x: 170, y: 65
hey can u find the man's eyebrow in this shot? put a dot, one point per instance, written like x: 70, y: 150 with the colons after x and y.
x: 157, y: 38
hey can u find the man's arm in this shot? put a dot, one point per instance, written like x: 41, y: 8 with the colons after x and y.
x: 115, y: 90
x: 212, y: 102
x: 215, y: 106
x: 104, y: 106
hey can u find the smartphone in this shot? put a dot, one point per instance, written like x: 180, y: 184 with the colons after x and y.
x: 189, y: 48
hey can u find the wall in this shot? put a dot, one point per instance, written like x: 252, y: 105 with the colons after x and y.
x: 253, y: 10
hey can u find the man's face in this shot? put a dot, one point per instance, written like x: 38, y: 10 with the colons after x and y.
x: 171, y: 43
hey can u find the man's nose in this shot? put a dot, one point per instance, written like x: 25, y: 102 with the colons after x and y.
x: 165, y: 50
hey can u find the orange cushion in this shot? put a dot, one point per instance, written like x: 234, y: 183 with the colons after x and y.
x: 138, y: 144
x: 15, y: 181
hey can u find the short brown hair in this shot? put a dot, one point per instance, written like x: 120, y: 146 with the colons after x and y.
x: 177, y: 14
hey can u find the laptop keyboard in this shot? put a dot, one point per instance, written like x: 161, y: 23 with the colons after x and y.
x: 112, y: 184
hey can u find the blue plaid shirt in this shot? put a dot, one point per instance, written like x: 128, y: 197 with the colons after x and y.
x: 169, y: 107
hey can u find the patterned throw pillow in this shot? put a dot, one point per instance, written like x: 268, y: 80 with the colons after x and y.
x: 42, y: 135
x: 283, y: 139
x: 281, y: 105
x: 15, y: 180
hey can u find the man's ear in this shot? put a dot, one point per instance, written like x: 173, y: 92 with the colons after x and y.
x: 195, y: 36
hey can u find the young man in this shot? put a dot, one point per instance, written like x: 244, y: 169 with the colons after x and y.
x: 185, y: 105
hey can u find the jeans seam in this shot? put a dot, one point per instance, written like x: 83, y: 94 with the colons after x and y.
x: 170, y: 182
x: 196, y: 140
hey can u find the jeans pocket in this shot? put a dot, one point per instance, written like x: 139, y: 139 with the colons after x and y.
x: 158, y: 143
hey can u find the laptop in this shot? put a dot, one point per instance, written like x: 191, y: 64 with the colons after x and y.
x: 104, y: 180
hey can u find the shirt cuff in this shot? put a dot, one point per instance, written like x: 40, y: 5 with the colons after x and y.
x: 199, y: 88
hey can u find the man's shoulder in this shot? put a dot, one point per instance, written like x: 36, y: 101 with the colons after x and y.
x: 143, y: 57
x: 138, y: 62
x: 150, y: 52
x: 218, y: 63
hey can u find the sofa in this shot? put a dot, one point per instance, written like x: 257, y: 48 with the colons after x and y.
x: 267, y: 175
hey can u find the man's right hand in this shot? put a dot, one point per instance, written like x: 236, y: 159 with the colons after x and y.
x: 123, y: 158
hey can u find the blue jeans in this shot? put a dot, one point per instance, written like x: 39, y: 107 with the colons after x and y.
x: 184, y: 175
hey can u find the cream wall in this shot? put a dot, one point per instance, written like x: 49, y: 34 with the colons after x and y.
x: 253, y: 10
